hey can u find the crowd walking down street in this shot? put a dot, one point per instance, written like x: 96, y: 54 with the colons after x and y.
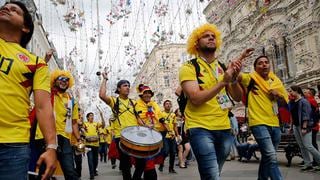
x: 46, y: 133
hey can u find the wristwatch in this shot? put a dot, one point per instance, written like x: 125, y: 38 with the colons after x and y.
x: 52, y: 146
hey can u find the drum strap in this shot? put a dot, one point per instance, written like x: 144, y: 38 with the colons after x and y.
x: 116, y: 109
x: 168, y: 116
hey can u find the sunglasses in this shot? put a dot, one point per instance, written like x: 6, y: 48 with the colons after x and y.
x: 62, y: 78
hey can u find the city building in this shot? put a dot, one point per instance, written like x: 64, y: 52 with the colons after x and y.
x: 160, y: 72
x: 286, y: 31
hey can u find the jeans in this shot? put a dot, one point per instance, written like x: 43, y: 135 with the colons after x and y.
x: 305, y: 144
x: 93, y: 159
x: 211, y: 148
x: 65, y: 157
x: 125, y: 164
x: 78, y: 162
x: 170, y: 146
x: 103, y: 151
x: 268, y: 139
x: 14, y: 161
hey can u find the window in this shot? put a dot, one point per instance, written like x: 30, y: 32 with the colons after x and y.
x: 183, y: 57
x: 166, y: 81
x: 163, y: 62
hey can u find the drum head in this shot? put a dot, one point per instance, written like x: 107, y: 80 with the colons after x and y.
x: 138, y: 154
x: 141, y: 135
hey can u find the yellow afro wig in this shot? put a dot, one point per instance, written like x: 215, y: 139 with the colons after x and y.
x: 196, y: 34
x: 57, y: 73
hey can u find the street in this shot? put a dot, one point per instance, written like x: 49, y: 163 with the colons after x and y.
x: 232, y: 170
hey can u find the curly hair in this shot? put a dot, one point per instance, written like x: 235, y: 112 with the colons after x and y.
x: 196, y: 34
x: 57, y: 73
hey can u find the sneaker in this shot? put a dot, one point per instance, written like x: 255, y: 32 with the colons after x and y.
x: 160, y: 168
x: 306, y: 168
x: 172, y: 171
x: 314, y: 163
x: 301, y: 164
x: 316, y: 168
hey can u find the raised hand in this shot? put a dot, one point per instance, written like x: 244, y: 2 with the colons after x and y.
x: 246, y: 53
x: 105, y: 75
x: 48, y: 55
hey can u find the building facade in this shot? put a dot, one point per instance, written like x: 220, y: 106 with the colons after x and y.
x: 287, y: 31
x: 160, y: 72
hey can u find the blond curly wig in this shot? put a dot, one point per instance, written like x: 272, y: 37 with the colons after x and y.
x: 196, y: 34
x: 57, y: 73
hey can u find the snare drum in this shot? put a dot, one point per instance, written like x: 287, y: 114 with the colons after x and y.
x: 140, y: 141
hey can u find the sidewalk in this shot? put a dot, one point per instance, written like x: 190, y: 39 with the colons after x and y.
x: 232, y: 170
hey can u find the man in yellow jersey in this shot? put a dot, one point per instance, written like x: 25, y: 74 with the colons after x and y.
x: 169, y: 142
x: 92, y: 142
x: 66, y: 113
x: 123, y: 109
x: 207, y: 106
x: 74, y: 142
x: 20, y: 74
x: 103, y: 132
x: 112, y: 152
x: 266, y: 91
x: 150, y: 113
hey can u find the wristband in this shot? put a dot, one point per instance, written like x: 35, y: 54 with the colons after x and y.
x: 52, y: 146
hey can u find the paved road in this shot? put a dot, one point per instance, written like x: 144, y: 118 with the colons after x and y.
x: 232, y: 170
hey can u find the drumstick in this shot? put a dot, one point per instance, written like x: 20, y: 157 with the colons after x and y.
x: 99, y: 108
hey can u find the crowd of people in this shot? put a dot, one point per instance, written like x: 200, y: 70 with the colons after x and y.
x: 52, y: 137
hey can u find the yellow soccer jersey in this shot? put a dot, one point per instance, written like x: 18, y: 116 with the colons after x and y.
x: 102, y: 134
x: 109, y: 135
x: 60, y: 112
x: 208, y: 115
x: 92, y: 129
x: 19, y: 74
x: 170, y: 120
x: 154, y: 110
x: 260, y: 111
x: 114, y: 130
x: 126, y: 115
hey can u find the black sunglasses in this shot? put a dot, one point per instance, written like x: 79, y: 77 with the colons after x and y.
x: 62, y: 78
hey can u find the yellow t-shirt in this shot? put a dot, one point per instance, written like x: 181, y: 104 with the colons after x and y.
x: 19, y: 74
x: 102, y: 134
x: 60, y: 112
x: 113, y: 130
x: 260, y: 107
x: 170, y: 120
x: 73, y: 139
x: 208, y: 115
x: 142, y: 109
x: 92, y: 129
x: 126, y: 115
x: 109, y: 135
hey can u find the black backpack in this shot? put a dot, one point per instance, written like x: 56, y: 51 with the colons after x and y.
x: 182, y: 99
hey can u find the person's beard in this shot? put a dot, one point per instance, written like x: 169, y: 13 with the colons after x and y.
x: 206, y: 49
x: 62, y: 89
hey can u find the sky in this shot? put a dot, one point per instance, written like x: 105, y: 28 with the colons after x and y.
x: 129, y: 29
